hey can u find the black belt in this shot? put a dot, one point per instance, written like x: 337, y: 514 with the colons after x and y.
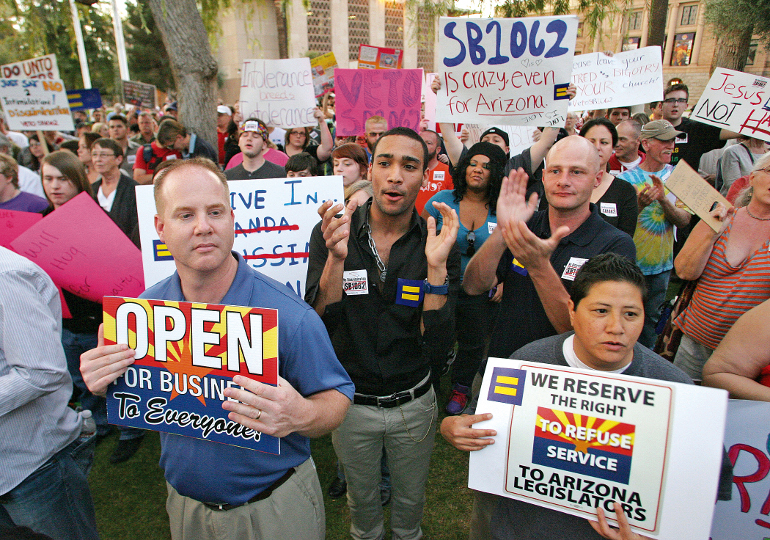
x: 394, y: 400
x: 261, y: 496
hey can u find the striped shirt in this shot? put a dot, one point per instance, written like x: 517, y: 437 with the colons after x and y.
x: 724, y: 293
x: 35, y: 386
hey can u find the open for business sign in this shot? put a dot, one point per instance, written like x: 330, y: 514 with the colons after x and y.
x: 186, y: 356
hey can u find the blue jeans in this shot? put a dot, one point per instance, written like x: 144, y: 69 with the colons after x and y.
x: 657, y: 285
x: 55, y: 499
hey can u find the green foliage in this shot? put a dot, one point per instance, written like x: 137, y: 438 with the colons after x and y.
x: 31, y: 29
x: 735, y: 16
x: 148, y: 60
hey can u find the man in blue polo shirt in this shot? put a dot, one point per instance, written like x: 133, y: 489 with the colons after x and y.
x: 215, y: 487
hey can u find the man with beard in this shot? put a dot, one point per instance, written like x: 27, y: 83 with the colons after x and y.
x: 252, y: 141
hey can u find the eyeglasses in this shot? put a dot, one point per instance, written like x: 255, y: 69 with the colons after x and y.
x: 675, y: 100
x: 297, y: 133
x: 471, y: 239
x: 98, y: 155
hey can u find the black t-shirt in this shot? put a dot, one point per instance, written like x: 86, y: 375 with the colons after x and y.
x: 267, y: 170
x: 521, y: 318
x: 697, y: 139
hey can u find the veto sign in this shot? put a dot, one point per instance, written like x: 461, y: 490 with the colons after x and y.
x: 736, y: 101
x: 627, y: 78
x: 394, y: 94
x: 35, y: 104
x: 506, y: 71
x: 571, y: 440
x: 186, y: 356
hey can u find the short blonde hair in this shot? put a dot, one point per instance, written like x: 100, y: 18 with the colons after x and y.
x: 9, y: 168
x: 173, y: 165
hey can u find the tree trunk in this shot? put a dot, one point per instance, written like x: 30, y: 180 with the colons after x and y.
x: 732, y: 49
x: 657, y: 23
x: 281, y: 27
x: 193, y: 66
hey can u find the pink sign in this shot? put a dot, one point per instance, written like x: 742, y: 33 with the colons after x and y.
x: 83, y: 251
x: 13, y: 223
x: 393, y: 94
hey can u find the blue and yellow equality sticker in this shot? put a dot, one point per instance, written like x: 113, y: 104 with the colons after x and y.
x: 160, y: 251
x: 560, y: 91
x: 409, y: 292
x: 519, y: 268
x: 507, y: 385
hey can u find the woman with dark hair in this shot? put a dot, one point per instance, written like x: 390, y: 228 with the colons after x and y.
x: 85, y: 143
x: 298, y: 140
x: 31, y: 156
x: 64, y: 177
x: 477, y: 180
x: 615, y: 197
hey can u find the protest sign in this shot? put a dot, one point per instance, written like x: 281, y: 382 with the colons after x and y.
x: 393, y: 94
x: 278, y: 92
x: 35, y: 104
x: 42, y: 67
x: 429, y: 101
x: 699, y: 196
x: 89, y: 265
x: 273, y: 222
x: 186, y: 356
x: 371, y: 57
x: 13, y: 223
x: 745, y: 516
x: 736, y: 101
x: 84, y: 98
x: 139, y: 94
x: 571, y: 440
x: 506, y: 71
x: 322, y: 68
x: 625, y: 79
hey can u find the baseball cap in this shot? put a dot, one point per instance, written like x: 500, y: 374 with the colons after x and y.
x: 224, y: 109
x: 659, y: 129
x: 496, y: 131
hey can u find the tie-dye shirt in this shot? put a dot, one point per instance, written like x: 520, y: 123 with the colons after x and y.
x: 654, y: 236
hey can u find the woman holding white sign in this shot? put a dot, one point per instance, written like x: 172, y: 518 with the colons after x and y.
x: 732, y: 267
x: 615, y: 197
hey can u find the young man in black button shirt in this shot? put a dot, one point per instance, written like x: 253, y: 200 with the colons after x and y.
x: 386, y: 284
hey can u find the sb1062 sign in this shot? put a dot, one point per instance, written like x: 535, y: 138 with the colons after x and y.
x: 506, y: 71
x: 572, y: 440
x: 186, y: 355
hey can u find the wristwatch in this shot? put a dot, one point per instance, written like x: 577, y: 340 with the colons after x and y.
x: 427, y: 288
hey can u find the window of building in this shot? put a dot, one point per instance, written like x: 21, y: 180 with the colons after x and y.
x: 682, y: 52
x: 689, y: 15
x: 630, y: 44
x: 752, y: 53
x: 634, y: 21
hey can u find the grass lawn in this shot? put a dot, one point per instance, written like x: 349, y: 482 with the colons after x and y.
x: 130, y: 497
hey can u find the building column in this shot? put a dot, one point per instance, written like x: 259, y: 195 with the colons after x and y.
x: 410, y: 36
x: 698, y: 34
x: 339, y: 23
x: 377, y: 23
x: 296, y: 16
x: 645, y: 27
x: 672, y: 22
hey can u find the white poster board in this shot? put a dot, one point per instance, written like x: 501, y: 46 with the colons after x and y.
x: 429, y: 100
x: 746, y: 515
x: 505, y: 71
x: 273, y: 222
x: 32, y: 104
x: 42, y: 67
x: 736, y: 101
x: 278, y: 92
x: 625, y: 79
x: 622, y: 436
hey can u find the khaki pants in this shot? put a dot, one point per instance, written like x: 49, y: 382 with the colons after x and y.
x: 407, y: 433
x: 295, y: 510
